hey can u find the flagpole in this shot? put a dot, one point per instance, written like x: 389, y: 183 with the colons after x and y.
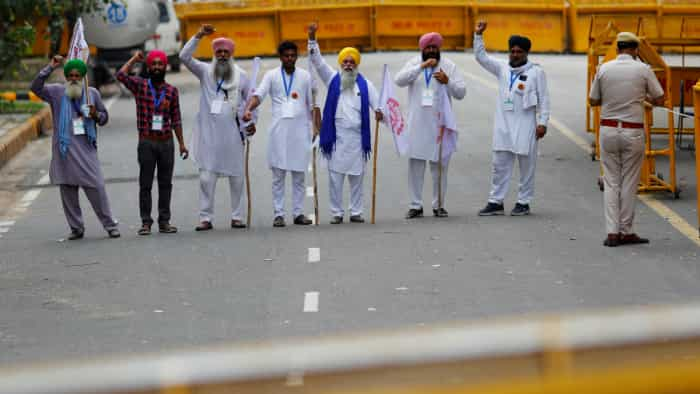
x: 374, y: 170
x: 442, y: 132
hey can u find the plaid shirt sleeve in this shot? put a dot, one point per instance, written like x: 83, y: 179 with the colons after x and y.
x: 175, y: 116
x: 131, y: 83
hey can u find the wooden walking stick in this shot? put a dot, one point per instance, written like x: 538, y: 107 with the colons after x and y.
x: 247, y: 180
x: 442, y: 132
x: 374, y: 171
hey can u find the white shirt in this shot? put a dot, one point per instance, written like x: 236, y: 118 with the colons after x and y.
x: 289, y: 145
x: 217, y: 143
x: 423, y: 128
x: 348, y: 156
x: 514, y: 124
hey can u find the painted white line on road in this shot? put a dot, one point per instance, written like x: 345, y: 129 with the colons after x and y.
x: 314, y: 255
x: 31, y: 195
x: 4, y: 229
x: 309, y: 191
x: 657, y: 206
x: 112, y: 100
x: 311, y: 301
x: 7, y: 223
x: 44, y: 180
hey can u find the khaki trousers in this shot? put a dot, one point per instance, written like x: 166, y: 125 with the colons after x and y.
x: 622, y: 154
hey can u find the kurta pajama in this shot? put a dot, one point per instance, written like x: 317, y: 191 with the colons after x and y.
x: 523, y: 104
x: 348, y: 157
x: 423, y: 130
x: 80, y: 167
x: 289, y: 144
x: 217, y: 140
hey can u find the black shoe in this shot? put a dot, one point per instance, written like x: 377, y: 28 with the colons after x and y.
x: 520, y: 209
x: 76, y: 235
x: 492, y: 209
x: 237, y: 223
x: 167, y: 228
x: 114, y: 233
x: 204, y: 226
x: 440, y: 213
x: 414, y: 213
x: 356, y: 219
x: 302, y: 220
x: 278, y: 222
x: 337, y: 220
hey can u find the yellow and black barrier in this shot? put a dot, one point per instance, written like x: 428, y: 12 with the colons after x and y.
x: 553, y: 25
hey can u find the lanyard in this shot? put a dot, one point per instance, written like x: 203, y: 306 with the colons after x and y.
x: 513, y: 78
x: 156, y: 100
x: 287, y: 89
x: 428, y: 76
x: 218, y: 88
x: 76, y: 106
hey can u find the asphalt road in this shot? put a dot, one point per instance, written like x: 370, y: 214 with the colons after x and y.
x: 71, y: 300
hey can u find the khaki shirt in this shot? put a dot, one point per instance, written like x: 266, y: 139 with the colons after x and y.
x: 622, y: 85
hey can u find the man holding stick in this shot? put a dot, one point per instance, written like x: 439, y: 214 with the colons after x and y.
x: 217, y: 141
x: 289, y: 146
x: 345, y: 139
x: 421, y: 75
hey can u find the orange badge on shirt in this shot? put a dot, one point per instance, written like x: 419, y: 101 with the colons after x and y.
x: 295, y: 95
x: 521, y: 86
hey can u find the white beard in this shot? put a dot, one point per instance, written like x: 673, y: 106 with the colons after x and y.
x: 74, y: 90
x: 224, y: 70
x: 347, y: 79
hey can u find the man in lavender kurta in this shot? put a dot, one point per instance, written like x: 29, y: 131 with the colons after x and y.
x: 74, y: 162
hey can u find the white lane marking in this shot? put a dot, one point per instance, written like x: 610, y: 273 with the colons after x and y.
x: 309, y: 191
x: 31, y: 195
x: 7, y: 223
x: 314, y: 255
x: 112, y: 100
x: 311, y: 301
x: 657, y: 206
x: 44, y: 180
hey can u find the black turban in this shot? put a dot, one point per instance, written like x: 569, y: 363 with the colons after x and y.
x: 521, y: 41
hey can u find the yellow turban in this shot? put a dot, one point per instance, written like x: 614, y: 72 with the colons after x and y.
x: 349, y: 51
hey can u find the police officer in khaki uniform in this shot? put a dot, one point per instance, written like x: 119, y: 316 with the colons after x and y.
x: 620, y: 87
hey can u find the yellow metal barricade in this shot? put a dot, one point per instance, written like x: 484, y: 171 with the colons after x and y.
x: 341, y: 23
x: 646, y: 350
x: 590, y: 17
x: 679, y: 19
x: 253, y: 25
x: 400, y: 23
x: 696, y: 100
x: 543, y: 21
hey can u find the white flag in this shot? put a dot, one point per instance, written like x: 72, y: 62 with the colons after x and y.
x: 446, y: 122
x: 78, y: 46
x: 389, y: 106
x: 252, y: 83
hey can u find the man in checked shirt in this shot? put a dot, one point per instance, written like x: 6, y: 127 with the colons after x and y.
x: 158, y: 115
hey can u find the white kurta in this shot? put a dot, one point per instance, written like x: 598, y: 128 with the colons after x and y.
x: 423, y: 128
x: 289, y: 145
x: 216, y: 144
x: 514, y: 131
x: 348, y: 156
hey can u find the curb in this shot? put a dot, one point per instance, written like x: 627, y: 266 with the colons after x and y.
x: 16, y: 139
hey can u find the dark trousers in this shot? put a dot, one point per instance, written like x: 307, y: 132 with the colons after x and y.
x: 154, y: 155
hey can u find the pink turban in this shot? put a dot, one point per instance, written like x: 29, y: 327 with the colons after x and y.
x: 156, y: 54
x: 429, y: 39
x: 223, y: 43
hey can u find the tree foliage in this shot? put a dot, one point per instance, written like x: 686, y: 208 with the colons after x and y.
x: 18, y: 20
